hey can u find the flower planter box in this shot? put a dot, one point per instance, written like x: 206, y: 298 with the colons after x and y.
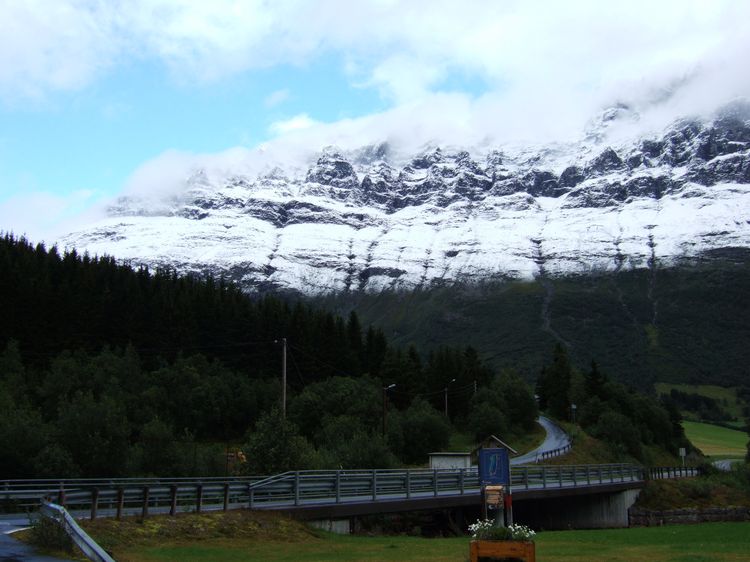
x: 502, y: 549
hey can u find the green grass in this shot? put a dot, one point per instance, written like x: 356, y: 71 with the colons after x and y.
x: 716, y: 441
x: 726, y: 397
x: 685, y: 543
x: 689, y: 543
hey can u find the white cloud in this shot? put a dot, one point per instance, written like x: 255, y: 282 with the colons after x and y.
x: 42, y: 216
x: 52, y: 45
x: 296, y: 123
x: 404, y: 48
x: 276, y: 98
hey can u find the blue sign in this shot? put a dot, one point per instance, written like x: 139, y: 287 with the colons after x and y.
x: 494, y: 467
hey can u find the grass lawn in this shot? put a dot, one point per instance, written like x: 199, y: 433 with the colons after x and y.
x: 716, y: 441
x: 688, y: 543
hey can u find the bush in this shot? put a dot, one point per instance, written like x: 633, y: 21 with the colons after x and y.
x: 275, y: 445
x: 424, y: 430
x: 47, y: 533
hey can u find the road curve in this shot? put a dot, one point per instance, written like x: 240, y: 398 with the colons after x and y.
x: 555, y: 439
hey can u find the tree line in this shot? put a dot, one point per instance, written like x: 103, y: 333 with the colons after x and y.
x: 627, y: 420
x: 110, y: 370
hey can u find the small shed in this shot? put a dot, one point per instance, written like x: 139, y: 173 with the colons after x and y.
x: 450, y: 460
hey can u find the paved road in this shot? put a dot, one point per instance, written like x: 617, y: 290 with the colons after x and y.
x: 555, y: 439
x: 725, y: 464
x: 12, y: 550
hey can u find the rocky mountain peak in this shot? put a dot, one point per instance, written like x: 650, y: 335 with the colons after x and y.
x: 360, y: 220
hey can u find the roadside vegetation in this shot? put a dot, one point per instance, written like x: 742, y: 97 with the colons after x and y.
x: 714, y: 488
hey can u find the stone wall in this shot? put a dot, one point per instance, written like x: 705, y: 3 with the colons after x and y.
x: 655, y: 518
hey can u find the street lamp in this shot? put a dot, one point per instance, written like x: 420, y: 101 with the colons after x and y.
x: 385, y: 402
x: 446, y: 396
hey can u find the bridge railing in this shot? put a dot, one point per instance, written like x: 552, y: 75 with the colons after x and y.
x: 116, y: 497
x: 561, y: 476
x: 671, y: 472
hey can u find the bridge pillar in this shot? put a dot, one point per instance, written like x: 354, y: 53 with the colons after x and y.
x: 590, y: 511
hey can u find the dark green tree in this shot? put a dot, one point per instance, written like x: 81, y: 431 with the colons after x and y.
x: 275, y: 445
x: 553, y: 385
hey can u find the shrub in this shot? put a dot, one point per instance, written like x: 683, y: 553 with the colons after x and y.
x: 47, y: 533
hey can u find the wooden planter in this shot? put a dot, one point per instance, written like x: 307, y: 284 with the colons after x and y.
x: 502, y: 549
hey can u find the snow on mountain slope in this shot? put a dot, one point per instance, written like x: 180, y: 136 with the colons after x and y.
x: 368, y: 220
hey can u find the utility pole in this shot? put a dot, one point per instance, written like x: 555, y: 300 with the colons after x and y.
x: 283, y: 378
x: 446, y: 396
x: 385, y: 402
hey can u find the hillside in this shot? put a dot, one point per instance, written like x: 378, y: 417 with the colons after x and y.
x: 680, y: 324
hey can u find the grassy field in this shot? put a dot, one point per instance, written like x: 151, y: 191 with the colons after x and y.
x: 693, y: 543
x: 726, y: 397
x: 716, y: 441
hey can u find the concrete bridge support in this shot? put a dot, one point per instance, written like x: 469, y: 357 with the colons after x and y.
x: 590, y: 511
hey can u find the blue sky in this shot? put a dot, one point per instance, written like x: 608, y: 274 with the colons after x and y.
x: 92, y: 91
x: 94, y: 138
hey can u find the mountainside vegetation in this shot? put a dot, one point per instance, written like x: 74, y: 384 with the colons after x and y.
x: 110, y: 371
x: 681, y: 324
x: 628, y: 422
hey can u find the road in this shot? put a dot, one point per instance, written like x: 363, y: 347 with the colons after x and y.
x: 725, y: 464
x: 556, y: 438
x: 12, y: 550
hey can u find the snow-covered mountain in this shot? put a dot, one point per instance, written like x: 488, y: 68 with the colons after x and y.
x: 370, y: 219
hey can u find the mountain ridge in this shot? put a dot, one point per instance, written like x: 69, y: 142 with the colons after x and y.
x: 370, y: 220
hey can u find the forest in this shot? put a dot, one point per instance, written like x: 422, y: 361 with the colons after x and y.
x: 107, y: 370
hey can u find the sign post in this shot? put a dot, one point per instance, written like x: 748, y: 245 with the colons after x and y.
x: 494, y: 479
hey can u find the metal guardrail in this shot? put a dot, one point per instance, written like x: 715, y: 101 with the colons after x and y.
x: 115, y: 498
x: 671, y: 472
x: 82, y: 540
x: 554, y: 452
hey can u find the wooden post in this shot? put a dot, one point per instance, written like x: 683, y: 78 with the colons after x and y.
x: 94, y: 502
x: 120, y: 502
x: 61, y: 495
x: 173, y: 501
x: 144, y: 511
x: 199, y: 499
x: 338, y: 486
x: 226, y: 496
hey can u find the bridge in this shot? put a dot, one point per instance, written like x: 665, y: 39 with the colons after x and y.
x: 602, y: 492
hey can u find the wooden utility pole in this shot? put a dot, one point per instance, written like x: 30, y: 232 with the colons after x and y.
x: 283, y: 378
